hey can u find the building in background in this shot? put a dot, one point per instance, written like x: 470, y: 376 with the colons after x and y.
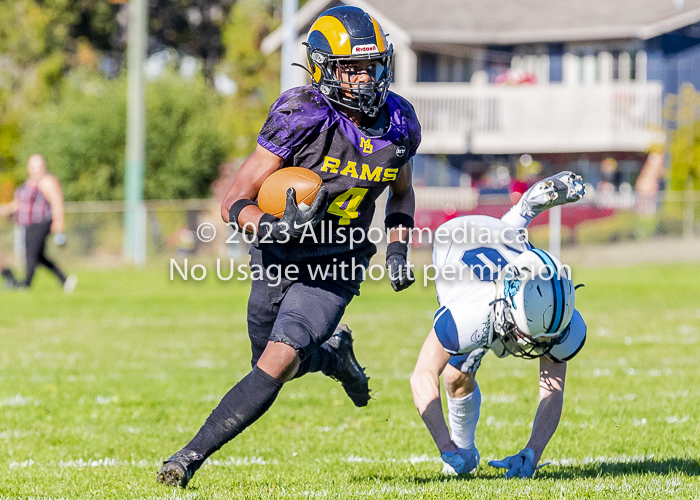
x: 563, y: 84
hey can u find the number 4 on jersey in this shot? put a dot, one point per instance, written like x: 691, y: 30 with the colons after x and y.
x: 345, y: 205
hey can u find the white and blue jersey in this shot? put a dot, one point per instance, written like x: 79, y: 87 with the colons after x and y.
x: 468, y: 254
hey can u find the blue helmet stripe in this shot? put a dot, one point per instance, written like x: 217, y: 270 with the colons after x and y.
x: 557, y: 291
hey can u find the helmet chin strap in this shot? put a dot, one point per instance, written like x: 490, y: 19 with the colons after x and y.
x: 305, y: 69
x: 359, y: 104
x: 370, y: 111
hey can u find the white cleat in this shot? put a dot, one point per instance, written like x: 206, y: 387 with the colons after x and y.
x: 564, y: 187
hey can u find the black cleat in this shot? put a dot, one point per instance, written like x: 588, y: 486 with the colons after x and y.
x: 179, y: 469
x: 350, y: 374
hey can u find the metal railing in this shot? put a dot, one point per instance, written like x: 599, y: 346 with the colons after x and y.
x: 549, y: 118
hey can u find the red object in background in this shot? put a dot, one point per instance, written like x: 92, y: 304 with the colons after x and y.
x: 515, y: 77
x: 517, y: 188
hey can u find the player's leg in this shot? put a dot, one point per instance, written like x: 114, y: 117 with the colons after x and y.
x: 463, y: 397
x: 261, y: 316
x: 336, y: 359
x: 336, y: 356
x: 296, y: 332
x: 308, y: 320
x: 564, y: 187
x: 247, y: 401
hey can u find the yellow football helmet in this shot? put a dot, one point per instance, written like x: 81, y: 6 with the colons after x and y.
x: 340, y: 37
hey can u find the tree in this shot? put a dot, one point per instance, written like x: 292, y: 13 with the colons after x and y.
x: 192, y: 27
x: 82, y: 137
x: 683, y: 111
x: 257, y: 76
x: 39, y: 42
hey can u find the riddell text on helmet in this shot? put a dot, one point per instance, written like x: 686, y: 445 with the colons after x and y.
x: 362, y: 49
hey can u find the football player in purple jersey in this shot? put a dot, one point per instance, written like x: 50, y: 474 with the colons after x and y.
x: 360, y: 138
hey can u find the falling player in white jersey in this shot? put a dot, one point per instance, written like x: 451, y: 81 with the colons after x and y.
x: 497, y: 292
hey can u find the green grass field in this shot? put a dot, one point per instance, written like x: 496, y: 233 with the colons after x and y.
x: 97, y: 388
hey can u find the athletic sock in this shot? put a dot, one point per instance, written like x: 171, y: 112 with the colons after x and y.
x: 247, y: 401
x: 463, y: 415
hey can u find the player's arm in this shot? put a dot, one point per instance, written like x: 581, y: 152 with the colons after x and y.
x: 9, y: 208
x: 401, y: 205
x: 255, y: 169
x: 552, y: 376
x: 51, y: 189
x: 524, y: 463
x: 425, y: 385
x: 400, y: 209
x: 239, y: 204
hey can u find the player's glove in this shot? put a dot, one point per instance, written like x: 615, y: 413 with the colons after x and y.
x: 558, y: 189
x: 462, y: 461
x: 521, y: 465
x: 59, y: 239
x: 294, y: 220
x: 397, y: 267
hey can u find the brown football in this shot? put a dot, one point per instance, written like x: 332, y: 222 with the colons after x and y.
x: 272, y: 197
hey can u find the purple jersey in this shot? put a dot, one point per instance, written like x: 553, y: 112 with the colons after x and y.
x: 306, y: 131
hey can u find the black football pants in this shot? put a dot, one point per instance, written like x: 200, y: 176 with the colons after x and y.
x: 306, y: 317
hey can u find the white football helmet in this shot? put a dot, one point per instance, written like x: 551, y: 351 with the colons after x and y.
x: 534, y: 304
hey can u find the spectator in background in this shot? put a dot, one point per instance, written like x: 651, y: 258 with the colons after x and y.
x: 647, y: 185
x: 608, y: 171
x: 38, y: 206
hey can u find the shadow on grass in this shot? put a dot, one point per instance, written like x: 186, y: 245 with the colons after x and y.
x: 666, y: 466
x: 387, y: 477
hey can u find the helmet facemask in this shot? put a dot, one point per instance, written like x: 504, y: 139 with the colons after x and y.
x: 514, y: 341
x: 365, y: 97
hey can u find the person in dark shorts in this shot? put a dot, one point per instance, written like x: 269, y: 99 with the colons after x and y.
x: 38, y: 206
x: 360, y: 138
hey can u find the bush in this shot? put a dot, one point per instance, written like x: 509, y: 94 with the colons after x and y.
x: 83, y: 137
x: 628, y: 226
x: 539, y: 236
x: 620, y: 227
